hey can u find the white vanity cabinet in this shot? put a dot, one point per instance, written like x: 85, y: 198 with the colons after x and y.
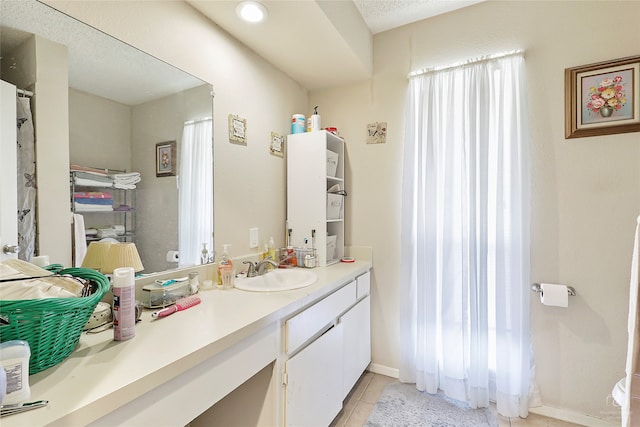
x: 327, y: 348
x: 357, y: 335
x: 315, y: 178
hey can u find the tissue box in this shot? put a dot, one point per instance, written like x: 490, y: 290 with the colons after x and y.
x: 334, y: 206
x: 332, y: 163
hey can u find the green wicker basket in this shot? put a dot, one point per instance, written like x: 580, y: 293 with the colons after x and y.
x: 51, y: 326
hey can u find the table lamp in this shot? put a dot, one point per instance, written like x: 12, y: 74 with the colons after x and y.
x: 96, y: 255
x: 122, y: 255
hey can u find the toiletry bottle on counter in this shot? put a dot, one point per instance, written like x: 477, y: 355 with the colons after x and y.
x: 14, y: 358
x: 297, y: 123
x: 272, y: 249
x: 313, y: 123
x: 124, y: 304
x: 225, y: 263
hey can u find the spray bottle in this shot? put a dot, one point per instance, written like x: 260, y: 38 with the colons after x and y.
x: 124, y: 304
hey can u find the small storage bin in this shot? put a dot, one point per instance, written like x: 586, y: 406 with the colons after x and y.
x: 334, y: 205
x: 332, y: 163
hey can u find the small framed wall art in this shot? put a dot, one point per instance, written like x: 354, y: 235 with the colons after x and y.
x: 276, y: 147
x: 237, y: 129
x: 602, y: 98
x: 166, y: 158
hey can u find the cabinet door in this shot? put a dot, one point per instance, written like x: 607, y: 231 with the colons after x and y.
x: 357, y: 343
x: 314, y: 381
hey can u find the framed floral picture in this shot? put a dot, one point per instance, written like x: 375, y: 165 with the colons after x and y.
x: 166, y: 158
x: 602, y: 98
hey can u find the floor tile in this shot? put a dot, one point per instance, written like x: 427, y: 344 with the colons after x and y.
x: 360, y: 414
x: 374, y: 389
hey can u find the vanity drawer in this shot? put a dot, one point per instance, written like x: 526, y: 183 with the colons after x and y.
x: 363, y: 285
x: 304, y: 325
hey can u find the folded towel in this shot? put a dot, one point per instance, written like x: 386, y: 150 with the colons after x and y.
x: 91, y: 195
x: 79, y: 240
x: 93, y: 183
x: 127, y: 175
x: 106, y: 232
x: 124, y: 186
x: 94, y: 176
x: 78, y: 168
x: 81, y: 207
x: 94, y: 202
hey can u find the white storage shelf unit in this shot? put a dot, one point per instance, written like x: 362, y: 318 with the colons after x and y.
x: 309, y: 206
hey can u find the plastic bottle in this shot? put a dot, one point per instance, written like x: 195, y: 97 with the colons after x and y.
x: 204, y: 254
x: 224, y: 263
x: 272, y: 249
x: 124, y: 304
x: 14, y: 356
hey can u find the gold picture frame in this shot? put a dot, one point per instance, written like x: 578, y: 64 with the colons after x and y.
x: 602, y: 98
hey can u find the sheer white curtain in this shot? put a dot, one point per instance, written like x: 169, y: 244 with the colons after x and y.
x: 465, y: 235
x: 195, y: 213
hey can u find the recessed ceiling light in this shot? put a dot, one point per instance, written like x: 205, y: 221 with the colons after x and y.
x: 251, y: 11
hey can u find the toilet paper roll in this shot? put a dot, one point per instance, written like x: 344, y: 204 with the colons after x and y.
x: 173, y: 256
x: 554, y: 295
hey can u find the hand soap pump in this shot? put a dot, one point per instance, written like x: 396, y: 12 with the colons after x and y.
x: 224, y: 263
x: 315, y: 121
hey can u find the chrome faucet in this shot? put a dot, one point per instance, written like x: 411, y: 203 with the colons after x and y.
x: 259, y: 268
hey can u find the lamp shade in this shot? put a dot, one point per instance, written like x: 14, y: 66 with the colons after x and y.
x: 122, y: 255
x: 96, y: 254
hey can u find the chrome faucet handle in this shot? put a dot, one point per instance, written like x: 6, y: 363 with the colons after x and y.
x: 251, y: 271
x: 261, y: 266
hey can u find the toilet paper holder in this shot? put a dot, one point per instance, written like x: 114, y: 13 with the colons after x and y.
x: 537, y: 288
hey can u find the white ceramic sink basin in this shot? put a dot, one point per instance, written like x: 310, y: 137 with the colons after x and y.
x: 278, y: 280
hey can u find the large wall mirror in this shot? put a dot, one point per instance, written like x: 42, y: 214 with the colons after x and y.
x: 122, y: 103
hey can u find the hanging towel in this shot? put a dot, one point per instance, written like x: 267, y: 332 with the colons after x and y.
x: 633, y: 345
x: 79, y: 240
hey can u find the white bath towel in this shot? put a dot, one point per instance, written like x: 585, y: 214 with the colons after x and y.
x: 633, y: 345
x: 79, y: 240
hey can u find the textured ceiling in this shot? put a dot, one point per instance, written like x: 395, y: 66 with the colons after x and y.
x: 383, y: 15
x: 322, y: 43
x: 98, y: 63
x: 318, y: 43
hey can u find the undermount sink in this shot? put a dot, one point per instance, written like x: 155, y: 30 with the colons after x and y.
x: 278, y: 280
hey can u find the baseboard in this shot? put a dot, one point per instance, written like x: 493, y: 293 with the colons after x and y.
x: 574, y: 417
x: 383, y: 370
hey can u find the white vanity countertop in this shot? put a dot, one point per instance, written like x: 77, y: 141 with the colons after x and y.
x: 102, y: 374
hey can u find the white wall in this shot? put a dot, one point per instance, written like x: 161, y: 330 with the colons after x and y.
x: 249, y: 182
x: 586, y: 192
x: 99, y: 132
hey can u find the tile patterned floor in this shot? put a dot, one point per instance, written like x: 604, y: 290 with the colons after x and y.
x: 365, y: 394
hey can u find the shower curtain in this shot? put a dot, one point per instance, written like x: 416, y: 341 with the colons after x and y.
x: 26, y: 180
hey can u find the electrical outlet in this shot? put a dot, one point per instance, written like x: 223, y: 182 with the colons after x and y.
x: 253, y: 237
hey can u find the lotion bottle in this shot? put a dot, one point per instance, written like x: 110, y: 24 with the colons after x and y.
x: 224, y: 263
x: 124, y: 304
